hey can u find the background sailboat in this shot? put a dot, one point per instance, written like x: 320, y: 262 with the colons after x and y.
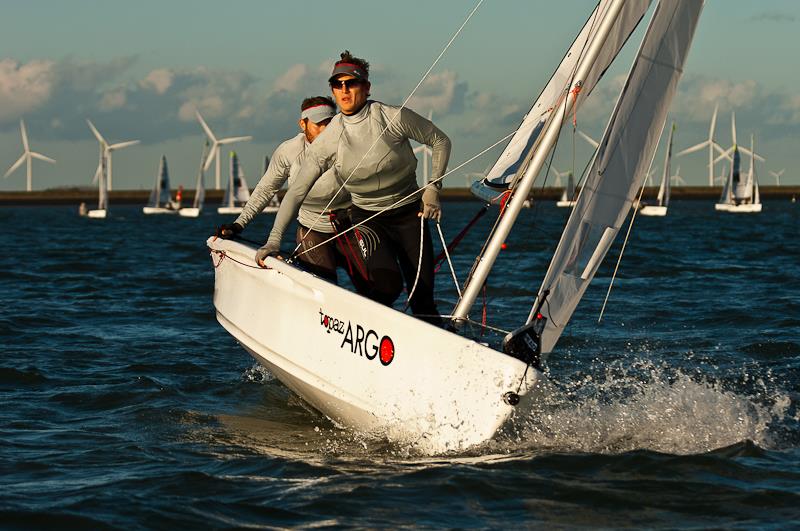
x: 568, y: 195
x: 160, y: 201
x: 102, y: 192
x: 741, y: 195
x: 660, y: 209
x: 237, y: 193
x: 199, y: 189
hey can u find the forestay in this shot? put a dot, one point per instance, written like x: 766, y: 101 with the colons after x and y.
x: 620, y: 164
x: 501, y: 176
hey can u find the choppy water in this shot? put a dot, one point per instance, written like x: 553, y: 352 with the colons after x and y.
x: 125, y: 405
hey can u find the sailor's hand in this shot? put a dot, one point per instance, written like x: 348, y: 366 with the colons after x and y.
x: 229, y: 230
x: 268, y: 249
x: 431, y: 208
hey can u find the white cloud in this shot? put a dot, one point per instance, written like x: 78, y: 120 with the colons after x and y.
x: 158, y: 80
x: 290, y: 81
x: 113, y: 99
x: 24, y: 88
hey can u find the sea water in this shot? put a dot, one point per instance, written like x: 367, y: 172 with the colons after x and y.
x: 124, y: 404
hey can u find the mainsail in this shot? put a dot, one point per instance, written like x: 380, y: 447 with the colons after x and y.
x: 160, y: 194
x: 237, y: 193
x: 664, y: 189
x: 620, y: 164
x: 501, y: 176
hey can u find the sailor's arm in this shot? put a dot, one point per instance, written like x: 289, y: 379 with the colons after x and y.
x: 314, y: 164
x: 424, y: 131
x: 273, y: 180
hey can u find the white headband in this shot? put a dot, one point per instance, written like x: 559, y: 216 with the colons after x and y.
x: 318, y: 113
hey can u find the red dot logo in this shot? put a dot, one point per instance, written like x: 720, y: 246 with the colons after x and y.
x: 387, y: 350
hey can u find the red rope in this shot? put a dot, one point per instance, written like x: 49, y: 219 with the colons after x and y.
x: 222, y: 255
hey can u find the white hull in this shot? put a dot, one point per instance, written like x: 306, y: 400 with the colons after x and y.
x: 229, y: 210
x: 565, y: 203
x: 652, y: 210
x: 189, y: 212
x: 437, y: 391
x: 739, y: 209
x: 158, y: 210
x: 97, y: 214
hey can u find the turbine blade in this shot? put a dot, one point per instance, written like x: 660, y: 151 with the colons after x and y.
x: 42, y: 157
x: 25, y: 144
x: 211, y: 155
x: 750, y: 153
x: 713, y: 123
x: 594, y: 143
x: 97, y: 134
x: 234, y: 139
x: 121, y: 145
x: 15, y: 165
x: 206, y: 128
x: 692, y: 149
x: 725, y: 155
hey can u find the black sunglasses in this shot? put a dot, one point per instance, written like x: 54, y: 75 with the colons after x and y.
x: 349, y: 83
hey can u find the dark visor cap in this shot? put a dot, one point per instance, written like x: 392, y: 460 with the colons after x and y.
x: 350, y: 69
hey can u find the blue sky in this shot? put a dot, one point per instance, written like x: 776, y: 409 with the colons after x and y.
x: 138, y: 70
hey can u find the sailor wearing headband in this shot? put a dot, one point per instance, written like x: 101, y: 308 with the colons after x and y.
x: 315, y: 115
x: 368, y: 145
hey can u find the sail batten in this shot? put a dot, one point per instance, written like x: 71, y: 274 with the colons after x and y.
x: 620, y: 164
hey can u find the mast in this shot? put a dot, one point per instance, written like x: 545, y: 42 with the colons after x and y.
x: 541, y: 149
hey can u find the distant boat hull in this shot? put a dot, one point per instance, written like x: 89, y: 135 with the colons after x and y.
x: 566, y: 203
x: 653, y: 210
x: 230, y: 210
x: 158, y: 210
x: 750, y: 208
x: 97, y: 214
x: 189, y: 212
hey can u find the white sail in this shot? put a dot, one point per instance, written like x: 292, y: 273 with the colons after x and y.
x: 620, y: 164
x: 513, y: 157
x: 664, y: 189
x: 200, y: 187
x: 241, y: 187
x: 160, y: 194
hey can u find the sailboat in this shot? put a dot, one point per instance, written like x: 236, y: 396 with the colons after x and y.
x: 664, y: 189
x: 199, y: 189
x: 102, y: 191
x: 740, y: 195
x: 567, y: 196
x: 236, y: 193
x: 160, y: 201
x: 374, y: 369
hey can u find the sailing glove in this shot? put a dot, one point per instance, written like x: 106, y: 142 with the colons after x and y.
x: 431, y: 209
x: 268, y: 249
x: 229, y: 230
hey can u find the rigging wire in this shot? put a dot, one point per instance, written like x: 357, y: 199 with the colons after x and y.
x: 619, y: 259
x: 449, y: 262
x: 392, y: 120
x: 419, y: 262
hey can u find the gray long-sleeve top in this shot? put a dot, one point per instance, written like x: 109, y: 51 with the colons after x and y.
x: 376, y: 176
x: 286, y: 157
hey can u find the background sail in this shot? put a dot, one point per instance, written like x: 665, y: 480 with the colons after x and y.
x: 160, y: 194
x: 664, y: 189
x: 621, y: 163
x: 500, y: 176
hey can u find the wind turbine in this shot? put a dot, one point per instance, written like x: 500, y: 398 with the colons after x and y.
x: 727, y: 154
x: 28, y: 155
x: 215, y: 145
x: 777, y: 176
x: 106, y: 149
x: 677, y: 179
x: 559, y: 174
x: 710, y: 143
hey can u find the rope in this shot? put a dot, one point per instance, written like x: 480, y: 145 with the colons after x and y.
x: 458, y: 238
x: 223, y: 255
x: 419, y: 262
x: 392, y: 120
x: 450, y: 263
x: 624, y: 243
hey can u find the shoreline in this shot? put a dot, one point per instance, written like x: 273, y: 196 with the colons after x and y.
x: 74, y: 196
